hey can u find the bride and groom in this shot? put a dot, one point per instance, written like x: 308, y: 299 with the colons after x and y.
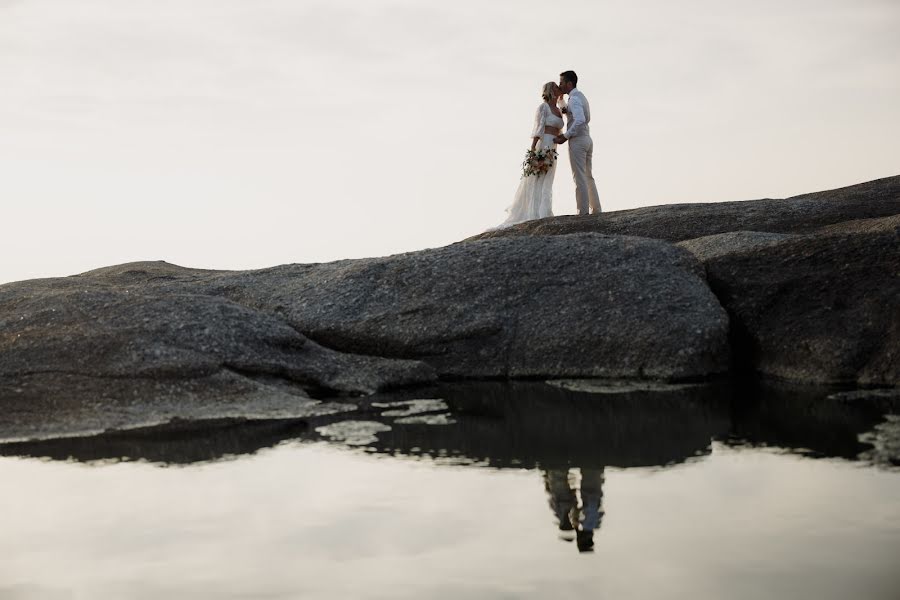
x: 534, y: 197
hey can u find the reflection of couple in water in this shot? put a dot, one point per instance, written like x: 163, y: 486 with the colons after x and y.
x: 576, y: 498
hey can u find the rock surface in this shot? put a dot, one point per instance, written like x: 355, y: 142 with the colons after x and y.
x: 50, y: 405
x: 112, y: 331
x: 581, y: 306
x: 810, y: 282
x: 100, y: 353
x: 821, y: 307
x: 805, y: 289
x: 711, y: 246
x: 677, y: 222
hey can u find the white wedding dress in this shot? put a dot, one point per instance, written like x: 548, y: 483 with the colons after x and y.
x: 534, y: 197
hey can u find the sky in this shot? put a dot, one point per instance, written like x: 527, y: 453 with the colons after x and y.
x: 237, y: 134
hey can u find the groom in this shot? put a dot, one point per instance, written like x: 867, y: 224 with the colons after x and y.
x: 581, y: 146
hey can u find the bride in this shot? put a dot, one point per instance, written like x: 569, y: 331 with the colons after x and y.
x: 534, y: 197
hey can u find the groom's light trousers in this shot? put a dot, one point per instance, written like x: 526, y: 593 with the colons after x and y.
x: 581, y: 151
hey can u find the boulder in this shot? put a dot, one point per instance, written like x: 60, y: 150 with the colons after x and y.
x: 874, y: 225
x: 677, y: 222
x: 822, y: 307
x: 575, y: 306
x: 579, y: 306
x: 90, y: 326
x: 710, y: 246
x: 805, y: 289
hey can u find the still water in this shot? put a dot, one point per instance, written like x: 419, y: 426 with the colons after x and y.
x: 475, y: 491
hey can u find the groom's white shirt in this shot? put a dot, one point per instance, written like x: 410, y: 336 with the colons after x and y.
x: 580, y: 115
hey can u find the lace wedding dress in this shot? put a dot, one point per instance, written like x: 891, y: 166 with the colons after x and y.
x: 534, y: 197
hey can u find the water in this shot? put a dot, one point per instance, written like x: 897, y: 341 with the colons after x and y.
x: 468, y: 491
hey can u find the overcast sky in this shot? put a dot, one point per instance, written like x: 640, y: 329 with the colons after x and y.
x: 247, y: 133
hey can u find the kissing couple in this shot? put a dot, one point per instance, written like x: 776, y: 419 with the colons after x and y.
x: 534, y: 196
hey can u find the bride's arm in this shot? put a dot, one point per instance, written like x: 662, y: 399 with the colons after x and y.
x: 540, y: 119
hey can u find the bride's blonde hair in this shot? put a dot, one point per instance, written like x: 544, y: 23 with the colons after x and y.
x: 547, y: 91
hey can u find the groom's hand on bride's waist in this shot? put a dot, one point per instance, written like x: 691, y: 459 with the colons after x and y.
x: 560, y: 139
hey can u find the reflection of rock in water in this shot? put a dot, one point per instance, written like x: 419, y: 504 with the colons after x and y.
x: 502, y: 424
x: 817, y: 422
x: 885, y: 441
x: 572, y: 424
x: 175, y: 443
x: 528, y: 424
x: 353, y: 433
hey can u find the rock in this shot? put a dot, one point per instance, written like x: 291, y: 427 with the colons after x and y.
x: 886, y: 399
x: 581, y: 306
x: 820, y: 308
x: 863, y: 226
x: 811, y: 285
x: 88, y: 326
x: 617, y: 387
x: 575, y: 306
x: 677, y: 222
x: 50, y: 405
x: 710, y: 246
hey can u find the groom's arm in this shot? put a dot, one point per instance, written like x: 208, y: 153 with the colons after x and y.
x: 576, y: 113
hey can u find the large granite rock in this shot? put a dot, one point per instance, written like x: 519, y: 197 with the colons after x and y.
x: 92, y: 326
x: 875, y: 225
x: 710, y: 246
x: 822, y: 307
x: 677, y: 222
x: 581, y: 306
x: 811, y: 286
x: 146, y: 342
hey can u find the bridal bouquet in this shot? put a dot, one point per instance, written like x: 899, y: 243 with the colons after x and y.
x: 538, y: 162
